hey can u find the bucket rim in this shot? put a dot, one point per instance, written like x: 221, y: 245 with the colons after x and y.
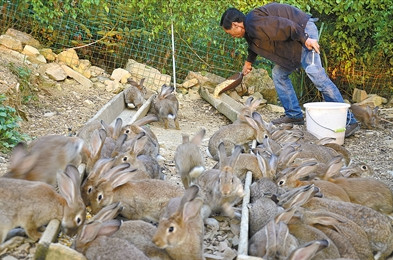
x: 326, y: 105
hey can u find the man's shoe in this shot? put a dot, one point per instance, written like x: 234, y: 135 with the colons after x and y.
x: 287, y: 120
x: 351, y: 129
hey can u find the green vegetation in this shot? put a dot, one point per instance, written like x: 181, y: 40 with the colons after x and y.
x: 9, y: 136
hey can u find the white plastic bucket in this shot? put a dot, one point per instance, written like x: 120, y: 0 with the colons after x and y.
x: 327, y: 119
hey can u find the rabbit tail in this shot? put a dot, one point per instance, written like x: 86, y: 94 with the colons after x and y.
x: 196, y: 171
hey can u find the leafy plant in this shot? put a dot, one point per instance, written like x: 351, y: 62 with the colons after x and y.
x: 9, y: 136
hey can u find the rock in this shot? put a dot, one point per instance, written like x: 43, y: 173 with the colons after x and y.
x: 358, y: 95
x: 68, y: 57
x: 48, y: 54
x: 11, y: 43
x: 154, y: 79
x: 77, y: 76
x: 30, y: 51
x: 60, y: 252
x: 258, y: 80
x: 190, y: 83
x: 23, y: 37
x: 55, y: 72
x: 120, y: 75
x: 373, y: 100
x: 275, y: 108
x: 96, y: 71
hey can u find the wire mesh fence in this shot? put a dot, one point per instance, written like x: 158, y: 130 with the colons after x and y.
x: 110, y: 38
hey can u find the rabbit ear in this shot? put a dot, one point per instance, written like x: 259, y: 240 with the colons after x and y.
x: 197, y: 139
x: 249, y: 101
x: 97, y: 142
x: 146, y: 120
x: 334, y: 167
x: 118, y: 127
x: 107, y: 175
x: 95, y: 229
x: 299, y: 196
x: 67, y: 186
x: 308, y: 250
x: 189, y: 194
x: 101, y: 166
x: 166, y: 90
x: 108, y: 212
x: 285, y: 216
x: 118, y: 145
x: 121, y: 178
x: 271, y: 239
x: 141, y: 82
x: 235, y: 156
x: 192, y: 209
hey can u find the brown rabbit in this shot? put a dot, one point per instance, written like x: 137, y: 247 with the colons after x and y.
x: 95, y: 241
x: 188, y: 158
x: 221, y: 189
x: 46, y: 157
x: 166, y: 106
x: 134, y: 94
x: 31, y: 204
x: 237, y: 134
x: 181, y: 229
x: 142, y: 199
x: 367, y: 116
x: 369, y: 192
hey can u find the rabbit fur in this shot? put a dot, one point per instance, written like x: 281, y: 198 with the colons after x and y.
x: 134, y: 94
x: 141, y: 199
x: 166, y: 106
x: 221, y: 188
x: 367, y: 116
x: 96, y: 242
x: 237, y: 134
x: 181, y: 229
x: 188, y: 158
x: 45, y: 158
x: 32, y: 204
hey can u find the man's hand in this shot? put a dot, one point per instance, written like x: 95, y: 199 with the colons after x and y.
x: 312, y: 44
x: 247, y: 68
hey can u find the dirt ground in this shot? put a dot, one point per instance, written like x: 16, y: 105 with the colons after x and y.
x: 63, y: 108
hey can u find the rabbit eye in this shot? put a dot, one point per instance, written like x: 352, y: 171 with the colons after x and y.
x: 99, y: 198
x: 125, y: 159
x: 364, y: 167
x: 127, y: 131
x: 280, y: 183
x: 78, y: 221
x: 89, y: 190
x: 265, y: 136
x: 171, y: 229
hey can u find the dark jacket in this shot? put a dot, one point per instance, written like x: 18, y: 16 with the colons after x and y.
x: 276, y: 31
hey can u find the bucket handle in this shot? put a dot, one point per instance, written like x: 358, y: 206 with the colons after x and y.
x: 339, y: 130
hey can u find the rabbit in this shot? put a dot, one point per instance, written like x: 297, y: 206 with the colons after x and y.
x: 103, y: 169
x: 181, y: 229
x: 350, y: 238
x: 95, y: 241
x: 136, y: 157
x: 32, y: 204
x: 137, y: 232
x: 141, y: 199
x: 140, y: 233
x: 250, y: 106
x: 188, y: 158
x: 45, y: 158
x: 237, y: 134
x: 357, y: 170
x: 221, y: 189
x: 376, y: 225
x: 166, y: 106
x: 367, y: 116
x: 273, y: 241
x: 294, y: 179
x: 264, y: 187
x: 134, y: 94
x: 308, y: 250
x: 369, y: 192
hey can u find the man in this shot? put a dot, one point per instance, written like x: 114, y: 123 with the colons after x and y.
x: 286, y: 36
